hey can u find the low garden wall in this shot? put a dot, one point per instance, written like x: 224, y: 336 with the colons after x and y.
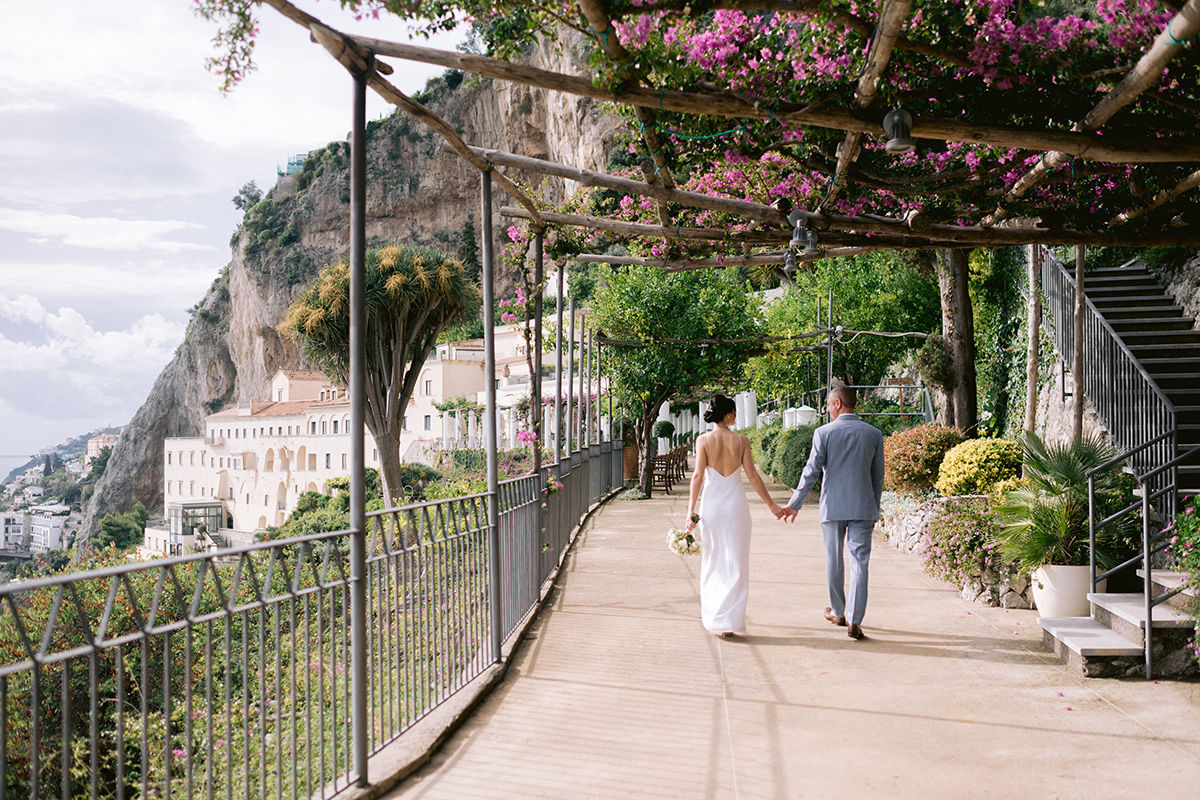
x: 904, y: 523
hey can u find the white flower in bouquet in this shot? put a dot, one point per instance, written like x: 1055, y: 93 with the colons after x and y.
x: 682, y: 542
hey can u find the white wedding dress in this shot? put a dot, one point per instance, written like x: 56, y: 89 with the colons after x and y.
x: 724, y: 552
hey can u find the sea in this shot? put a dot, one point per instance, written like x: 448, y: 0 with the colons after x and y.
x: 8, y: 463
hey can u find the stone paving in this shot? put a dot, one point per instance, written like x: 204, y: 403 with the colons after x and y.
x: 618, y: 692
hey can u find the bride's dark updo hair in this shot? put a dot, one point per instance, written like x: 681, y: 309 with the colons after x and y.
x: 719, y: 408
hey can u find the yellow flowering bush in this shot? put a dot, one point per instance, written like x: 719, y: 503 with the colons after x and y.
x: 977, y: 465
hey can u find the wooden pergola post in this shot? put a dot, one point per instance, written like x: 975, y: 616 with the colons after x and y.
x: 1077, y: 350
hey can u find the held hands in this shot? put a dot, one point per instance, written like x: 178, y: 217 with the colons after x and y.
x: 787, y: 514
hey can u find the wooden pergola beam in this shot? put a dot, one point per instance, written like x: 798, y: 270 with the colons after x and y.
x: 728, y: 104
x: 357, y: 60
x: 1149, y: 68
x: 891, y: 19
x: 1162, y: 198
x: 764, y: 259
x: 860, y: 233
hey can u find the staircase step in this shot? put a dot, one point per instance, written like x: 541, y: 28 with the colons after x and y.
x: 1131, y: 609
x: 1172, y: 366
x: 1131, y: 268
x: 1094, y: 278
x: 1176, y: 383
x: 1187, y: 413
x: 1187, y: 337
x: 1142, y: 312
x: 1152, y: 324
x: 1087, y: 637
x: 1124, y: 292
x: 1165, y: 351
x: 1168, y: 581
x: 1149, y: 301
x: 1091, y: 649
x: 1188, y: 478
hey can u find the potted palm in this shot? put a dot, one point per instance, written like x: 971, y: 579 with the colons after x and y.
x: 1044, y: 521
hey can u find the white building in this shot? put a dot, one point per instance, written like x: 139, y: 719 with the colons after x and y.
x: 96, y: 444
x: 47, y: 527
x: 32, y: 493
x: 256, y: 459
x: 14, y: 531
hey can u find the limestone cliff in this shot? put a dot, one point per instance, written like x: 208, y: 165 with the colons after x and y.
x: 417, y: 191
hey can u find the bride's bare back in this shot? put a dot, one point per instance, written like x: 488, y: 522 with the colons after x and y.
x: 724, y: 450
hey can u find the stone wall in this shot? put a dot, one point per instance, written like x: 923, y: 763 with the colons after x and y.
x: 902, y: 524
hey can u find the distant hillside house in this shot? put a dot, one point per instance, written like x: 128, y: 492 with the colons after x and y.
x: 14, y: 531
x: 96, y: 444
x: 47, y: 525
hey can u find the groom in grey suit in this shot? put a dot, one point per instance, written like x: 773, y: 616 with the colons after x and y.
x: 850, y: 453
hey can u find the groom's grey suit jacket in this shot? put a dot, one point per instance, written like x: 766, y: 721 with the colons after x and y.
x: 850, y: 452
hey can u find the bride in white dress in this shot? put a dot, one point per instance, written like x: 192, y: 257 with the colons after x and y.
x: 724, y: 519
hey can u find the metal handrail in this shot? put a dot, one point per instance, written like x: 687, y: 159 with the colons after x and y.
x: 1174, y: 462
x: 1117, y: 459
x: 1113, y: 334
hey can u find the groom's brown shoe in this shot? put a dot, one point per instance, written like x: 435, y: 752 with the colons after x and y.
x: 855, y: 632
x: 834, y: 618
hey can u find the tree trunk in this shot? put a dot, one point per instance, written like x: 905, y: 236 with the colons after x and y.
x: 1034, y: 323
x: 389, y: 467
x: 642, y: 431
x: 958, y: 330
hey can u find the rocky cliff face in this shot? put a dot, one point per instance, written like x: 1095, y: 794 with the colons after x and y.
x: 418, y: 191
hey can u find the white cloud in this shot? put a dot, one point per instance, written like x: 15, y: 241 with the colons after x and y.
x: 118, y: 159
x: 23, y: 308
x: 99, y: 233
x: 71, y: 348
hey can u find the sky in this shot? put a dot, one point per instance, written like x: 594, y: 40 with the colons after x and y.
x: 119, y: 158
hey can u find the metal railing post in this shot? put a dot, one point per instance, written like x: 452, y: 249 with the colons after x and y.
x: 569, y: 424
x: 1092, y: 529
x: 1146, y: 586
x: 358, y: 547
x: 558, y: 370
x: 489, y: 429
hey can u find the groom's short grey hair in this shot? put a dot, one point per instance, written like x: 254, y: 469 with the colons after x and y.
x: 844, y: 393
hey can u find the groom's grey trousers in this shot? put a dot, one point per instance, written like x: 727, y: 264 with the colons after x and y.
x: 849, y: 454
x: 857, y: 534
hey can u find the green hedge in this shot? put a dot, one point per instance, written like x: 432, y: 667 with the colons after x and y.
x: 791, y: 454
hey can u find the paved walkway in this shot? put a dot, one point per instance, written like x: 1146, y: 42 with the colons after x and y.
x: 619, y: 692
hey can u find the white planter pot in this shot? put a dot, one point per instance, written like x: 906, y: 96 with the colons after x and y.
x: 1060, y: 591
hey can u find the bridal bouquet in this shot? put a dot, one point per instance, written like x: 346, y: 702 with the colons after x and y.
x: 682, y: 542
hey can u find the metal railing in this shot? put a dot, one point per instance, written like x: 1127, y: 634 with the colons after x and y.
x: 1152, y: 543
x: 1141, y: 420
x: 1136, y: 412
x: 227, y: 674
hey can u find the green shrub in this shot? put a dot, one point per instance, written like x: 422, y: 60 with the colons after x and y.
x: 933, y: 362
x: 977, y: 465
x: 959, y: 541
x: 762, y: 444
x: 912, y: 457
x: 417, y: 477
x: 663, y: 429
x: 791, y: 454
